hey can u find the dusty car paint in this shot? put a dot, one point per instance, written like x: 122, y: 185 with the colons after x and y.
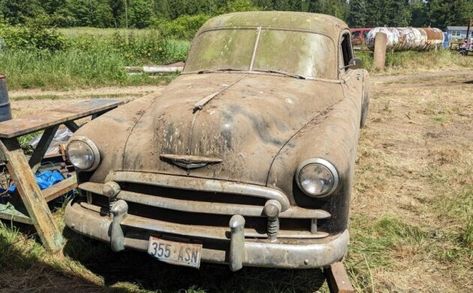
x: 220, y: 144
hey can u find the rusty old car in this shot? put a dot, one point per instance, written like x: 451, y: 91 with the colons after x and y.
x: 245, y: 159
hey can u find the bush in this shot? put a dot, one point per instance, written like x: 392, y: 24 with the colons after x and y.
x: 183, y: 27
x: 147, y: 48
x: 238, y: 5
x: 135, y: 47
x: 32, y: 37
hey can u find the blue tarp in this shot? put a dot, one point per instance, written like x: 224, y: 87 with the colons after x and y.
x: 44, y: 179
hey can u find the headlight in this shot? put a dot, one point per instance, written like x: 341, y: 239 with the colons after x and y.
x: 83, y: 154
x: 317, y: 177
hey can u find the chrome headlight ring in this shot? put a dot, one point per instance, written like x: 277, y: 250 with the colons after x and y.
x: 83, y: 153
x: 317, y: 177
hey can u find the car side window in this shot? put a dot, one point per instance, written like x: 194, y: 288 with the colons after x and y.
x: 346, y: 50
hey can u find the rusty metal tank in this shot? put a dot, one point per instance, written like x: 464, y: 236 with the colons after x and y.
x: 408, y: 38
x: 392, y: 35
x: 5, y: 110
x: 435, y: 38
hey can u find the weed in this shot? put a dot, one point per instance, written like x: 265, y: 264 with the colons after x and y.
x: 467, y: 236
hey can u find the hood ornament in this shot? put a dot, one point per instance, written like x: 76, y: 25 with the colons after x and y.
x: 189, y: 162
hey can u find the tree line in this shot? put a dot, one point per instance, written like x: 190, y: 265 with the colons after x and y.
x: 143, y: 13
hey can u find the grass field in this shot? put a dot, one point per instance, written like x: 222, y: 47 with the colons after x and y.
x: 91, y: 58
x: 411, y: 220
x: 102, y: 32
x: 412, y: 210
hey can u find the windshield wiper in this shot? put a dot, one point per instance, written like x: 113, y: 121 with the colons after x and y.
x: 263, y: 71
x: 282, y: 73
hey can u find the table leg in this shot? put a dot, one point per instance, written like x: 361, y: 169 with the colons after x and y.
x: 42, y: 147
x: 31, y: 195
x: 72, y: 126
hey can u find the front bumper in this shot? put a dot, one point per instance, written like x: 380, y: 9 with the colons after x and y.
x: 290, y: 253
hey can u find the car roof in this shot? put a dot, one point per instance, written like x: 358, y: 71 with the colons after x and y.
x: 285, y: 20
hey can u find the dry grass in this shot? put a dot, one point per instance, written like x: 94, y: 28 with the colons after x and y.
x: 411, y: 224
x: 414, y: 192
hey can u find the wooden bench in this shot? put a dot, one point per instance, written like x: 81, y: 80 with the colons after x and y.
x: 22, y: 170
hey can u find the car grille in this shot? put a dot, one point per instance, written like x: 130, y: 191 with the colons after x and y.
x: 198, y: 205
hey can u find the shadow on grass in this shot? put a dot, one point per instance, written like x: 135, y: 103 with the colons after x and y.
x: 149, y: 274
x: 22, y: 268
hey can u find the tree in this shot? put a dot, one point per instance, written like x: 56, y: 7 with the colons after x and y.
x: 96, y: 13
x: 419, y: 14
x: 140, y: 13
x: 357, y: 13
x: 442, y: 13
x: 19, y: 11
x: 397, y: 13
x: 237, y: 5
x: 336, y: 8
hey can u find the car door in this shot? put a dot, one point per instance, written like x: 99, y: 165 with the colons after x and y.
x: 354, y: 79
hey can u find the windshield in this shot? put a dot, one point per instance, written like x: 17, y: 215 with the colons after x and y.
x: 298, y: 54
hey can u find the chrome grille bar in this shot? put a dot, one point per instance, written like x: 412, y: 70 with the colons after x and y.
x: 204, y: 207
x: 201, y: 184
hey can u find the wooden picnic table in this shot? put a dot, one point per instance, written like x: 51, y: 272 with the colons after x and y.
x: 22, y: 170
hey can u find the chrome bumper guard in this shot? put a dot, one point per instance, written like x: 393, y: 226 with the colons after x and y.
x: 86, y: 219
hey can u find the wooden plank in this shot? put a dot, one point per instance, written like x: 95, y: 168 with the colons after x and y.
x: 9, y: 213
x: 337, y: 279
x: 60, y: 188
x: 21, y: 126
x: 31, y: 195
x: 42, y: 147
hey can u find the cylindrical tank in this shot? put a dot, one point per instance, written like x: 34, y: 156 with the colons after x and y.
x: 407, y: 38
x: 410, y: 39
x: 435, y: 38
x: 392, y: 35
x: 5, y: 110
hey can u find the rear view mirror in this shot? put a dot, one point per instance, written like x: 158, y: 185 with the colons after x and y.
x: 356, y: 63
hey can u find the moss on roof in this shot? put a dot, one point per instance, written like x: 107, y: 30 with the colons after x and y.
x: 316, y: 23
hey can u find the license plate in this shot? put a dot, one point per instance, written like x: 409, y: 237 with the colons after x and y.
x: 177, y: 253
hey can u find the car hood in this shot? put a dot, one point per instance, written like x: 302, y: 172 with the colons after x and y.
x: 224, y: 125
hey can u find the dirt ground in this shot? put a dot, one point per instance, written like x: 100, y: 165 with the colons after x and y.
x: 27, y: 102
x: 410, y: 208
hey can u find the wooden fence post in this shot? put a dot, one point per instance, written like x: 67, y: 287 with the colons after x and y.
x: 380, y: 43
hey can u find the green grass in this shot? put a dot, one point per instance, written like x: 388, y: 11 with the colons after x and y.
x: 90, y: 58
x: 373, y: 244
x: 68, y: 69
x: 75, y: 32
x: 414, y: 60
